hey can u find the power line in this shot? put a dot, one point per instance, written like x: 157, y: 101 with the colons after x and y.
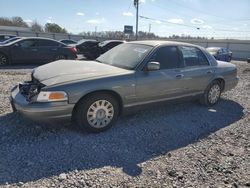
x: 174, y: 12
x: 208, y: 13
x: 191, y: 26
x: 165, y: 21
x: 129, y: 6
x: 187, y: 15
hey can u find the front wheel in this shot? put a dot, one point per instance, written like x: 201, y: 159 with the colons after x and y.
x: 211, y: 94
x: 96, y: 113
x: 3, y: 60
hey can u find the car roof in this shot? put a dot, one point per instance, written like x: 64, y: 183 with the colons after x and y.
x: 87, y: 40
x: 66, y: 39
x: 107, y: 41
x: 162, y: 42
x: 42, y: 38
x: 36, y: 38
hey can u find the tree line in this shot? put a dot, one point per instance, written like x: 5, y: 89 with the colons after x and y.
x: 55, y: 28
x: 34, y: 26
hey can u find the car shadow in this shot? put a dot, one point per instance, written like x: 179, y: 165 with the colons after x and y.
x: 30, y: 151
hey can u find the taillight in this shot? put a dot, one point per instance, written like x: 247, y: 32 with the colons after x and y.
x: 74, y: 50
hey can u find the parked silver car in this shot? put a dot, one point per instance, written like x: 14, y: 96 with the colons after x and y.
x: 95, y: 93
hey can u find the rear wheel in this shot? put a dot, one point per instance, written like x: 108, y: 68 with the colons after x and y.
x: 96, y: 113
x: 212, y: 94
x: 3, y: 60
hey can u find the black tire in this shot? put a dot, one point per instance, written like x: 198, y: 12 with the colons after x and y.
x: 3, y: 60
x: 206, y: 99
x: 80, y: 114
x: 60, y: 56
x: 229, y: 59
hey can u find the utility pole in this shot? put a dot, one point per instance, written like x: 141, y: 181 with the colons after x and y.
x: 95, y: 30
x: 136, y: 4
x: 149, y: 28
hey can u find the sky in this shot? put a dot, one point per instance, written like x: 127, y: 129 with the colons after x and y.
x: 214, y: 18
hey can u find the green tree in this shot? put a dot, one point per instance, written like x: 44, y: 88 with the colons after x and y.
x: 54, y: 28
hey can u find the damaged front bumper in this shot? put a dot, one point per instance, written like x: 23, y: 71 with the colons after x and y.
x: 45, y: 111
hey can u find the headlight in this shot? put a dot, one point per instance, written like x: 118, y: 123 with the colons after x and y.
x: 50, y: 96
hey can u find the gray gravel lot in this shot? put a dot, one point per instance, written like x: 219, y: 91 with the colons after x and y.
x: 174, y: 145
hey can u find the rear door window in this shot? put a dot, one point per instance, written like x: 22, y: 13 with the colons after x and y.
x: 27, y: 43
x: 193, y: 56
x: 48, y: 43
x: 168, y: 57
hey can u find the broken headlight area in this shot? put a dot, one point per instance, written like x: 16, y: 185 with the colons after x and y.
x: 30, y: 89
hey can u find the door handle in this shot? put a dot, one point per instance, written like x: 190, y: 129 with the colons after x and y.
x: 179, y: 76
x: 54, y: 49
x: 34, y: 50
x: 209, y: 72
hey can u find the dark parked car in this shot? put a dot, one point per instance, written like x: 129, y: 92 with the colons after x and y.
x: 94, y: 93
x: 9, y: 40
x: 6, y: 37
x: 35, y: 50
x: 89, y: 48
x: 68, y: 41
x: 219, y: 53
x: 108, y: 44
x: 92, y: 49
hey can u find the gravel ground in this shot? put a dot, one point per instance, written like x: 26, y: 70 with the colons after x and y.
x: 175, y: 145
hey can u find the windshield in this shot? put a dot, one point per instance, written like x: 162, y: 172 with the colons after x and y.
x: 125, y: 56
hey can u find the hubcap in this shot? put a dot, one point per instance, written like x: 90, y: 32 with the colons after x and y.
x: 214, y: 94
x: 100, y: 113
x: 3, y: 60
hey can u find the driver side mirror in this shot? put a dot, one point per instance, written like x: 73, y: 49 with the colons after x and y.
x: 153, y: 66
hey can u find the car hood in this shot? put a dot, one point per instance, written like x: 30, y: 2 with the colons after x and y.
x: 64, y: 71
